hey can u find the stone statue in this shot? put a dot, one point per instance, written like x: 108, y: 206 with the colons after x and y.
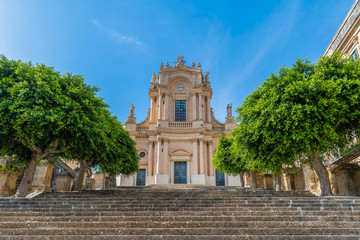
x: 229, y: 110
x: 207, y: 76
x: 131, y: 109
x: 153, y: 78
x: 131, y: 118
x: 229, y: 116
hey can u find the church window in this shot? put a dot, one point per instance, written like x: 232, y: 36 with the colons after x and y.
x: 180, y: 110
x: 142, y: 154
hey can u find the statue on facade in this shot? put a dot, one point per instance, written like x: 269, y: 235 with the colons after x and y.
x: 207, y: 76
x: 229, y: 116
x: 153, y: 78
x: 131, y: 118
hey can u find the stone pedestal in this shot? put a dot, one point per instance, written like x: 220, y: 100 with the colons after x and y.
x: 198, y: 179
x: 42, y: 178
x: 232, y: 180
x: 7, y: 184
x: 63, y: 183
x: 161, y: 178
x: 268, y: 181
x: 149, y: 180
x: 211, y: 180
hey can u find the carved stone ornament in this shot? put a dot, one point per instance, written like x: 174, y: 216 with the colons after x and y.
x: 207, y: 76
x: 153, y: 77
x: 229, y: 116
x: 180, y: 62
x: 131, y: 118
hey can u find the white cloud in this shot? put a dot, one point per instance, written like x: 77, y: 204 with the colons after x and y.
x: 117, y: 36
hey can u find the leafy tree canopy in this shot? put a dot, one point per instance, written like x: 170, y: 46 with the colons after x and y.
x: 45, y: 113
x: 300, y: 113
x: 228, y: 158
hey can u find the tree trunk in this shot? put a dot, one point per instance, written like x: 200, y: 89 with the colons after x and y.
x: 242, y: 180
x: 83, y: 168
x: 278, y: 182
x: 114, y: 181
x: 253, y: 179
x: 323, y: 176
x: 28, y: 178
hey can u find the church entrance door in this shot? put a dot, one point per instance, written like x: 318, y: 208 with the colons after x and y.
x: 180, y: 173
x: 220, y: 179
x: 140, y: 177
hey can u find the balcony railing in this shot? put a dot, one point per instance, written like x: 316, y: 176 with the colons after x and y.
x: 142, y: 128
x: 180, y: 125
x: 219, y: 129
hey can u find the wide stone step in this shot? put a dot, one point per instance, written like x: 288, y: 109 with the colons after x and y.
x: 180, y: 231
x: 183, y: 224
x: 197, y: 200
x: 180, y: 208
x: 180, y: 205
x: 185, y: 237
x: 182, y: 213
x: 178, y: 218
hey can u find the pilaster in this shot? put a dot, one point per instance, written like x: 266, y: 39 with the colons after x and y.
x: 194, y: 106
x: 200, y: 107
x: 150, y: 159
x: 160, y: 107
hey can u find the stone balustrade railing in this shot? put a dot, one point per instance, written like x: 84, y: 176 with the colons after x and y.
x: 219, y: 129
x: 180, y: 124
x: 142, y: 128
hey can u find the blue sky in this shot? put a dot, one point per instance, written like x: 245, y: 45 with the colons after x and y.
x: 116, y: 45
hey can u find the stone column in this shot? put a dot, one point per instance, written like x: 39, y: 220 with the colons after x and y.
x: 201, y: 156
x: 150, y: 158
x: 210, y: 158
x: 157, y: 171
x: 165, y: 169
x: 194, y: 162
x: 166, y: 110
x: 151, y: 109
x: 160, y: 108
x: 200, y: 107
x: 206, y: 158
x: 194, y: 106
x: 208, y: 110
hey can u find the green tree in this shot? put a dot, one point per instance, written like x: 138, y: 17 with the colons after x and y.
x: 228, y: 159
x: 300, y: 113
x: 106, y: 145
x: 42, y: 113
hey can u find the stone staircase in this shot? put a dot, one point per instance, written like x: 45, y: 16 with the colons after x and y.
x: 180, y: 212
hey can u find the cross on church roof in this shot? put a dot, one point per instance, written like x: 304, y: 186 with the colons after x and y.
x: 180, y: 57
x: 180, y: 61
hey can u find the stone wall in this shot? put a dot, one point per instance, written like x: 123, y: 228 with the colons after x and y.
x: 345, y: 181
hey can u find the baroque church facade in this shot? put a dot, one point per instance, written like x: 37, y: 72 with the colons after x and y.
x: 177, y: 140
